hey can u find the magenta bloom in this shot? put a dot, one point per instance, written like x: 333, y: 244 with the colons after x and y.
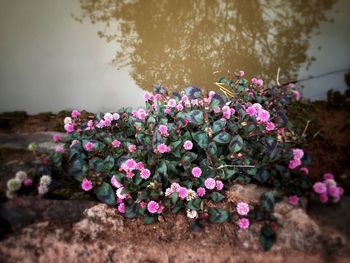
x: 324, y: 198
x: 226, y: 114
x: 131, y: 164
x: 201, y: 191
x: 304, y: 170
x: 152, y: 207
x: 328, y: 176
x: 132, y: 148
x: 167, y: 110
x: 75, y: 114
x: 219, y: 185
x: 116, y: 144
x: 270, y: 126
x: 197, y: 172
x: 259, y: 82
x: 320, y: 188
x: 182, y: 191
x: 56, y: 137
x: 162, y: 148
x: 179, y: 107
x: 121, y: 208
x: 86, y: 184
x: 69, y: 127
x: 241, y: 73
x: 59, y: 149
x: 293, y: 200
x: 217, y: 109
x: 294, y: 163
x: 333, y: 191
x: 89, y: 146
x: 254, y: 80
x: 210, y: 183
x: 298, y: 153
x: 115, y: 182
x: 251, y: 111
x: 296, y: 94
x: 242, y: 208
x: 163, y: 129
x: 171, y: 103
x: 263, y: 115
x: 28, y: 182
x: 145, y: 173
x: 140, y: 166
x: 243, y: 223
x: 147, y: 96
x: 188, y: 145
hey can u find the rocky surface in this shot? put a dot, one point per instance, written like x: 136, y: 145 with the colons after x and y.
x: 100, y: 234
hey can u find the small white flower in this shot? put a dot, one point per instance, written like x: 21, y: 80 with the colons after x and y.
x: 43, y: 189
x: 14, y: 184
x: 168, y: 192
x: 120, y: 194
x: 191, y: 195
x: 21, y: 176
x: 45, y: 180
x: 116, y: 116
x: 108, y: 116
x: 192, y: 214
x: 67, y: 120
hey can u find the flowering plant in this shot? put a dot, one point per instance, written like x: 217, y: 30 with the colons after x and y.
x: 183, y: 150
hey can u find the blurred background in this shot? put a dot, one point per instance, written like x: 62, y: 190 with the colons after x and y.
x: 100, y: 55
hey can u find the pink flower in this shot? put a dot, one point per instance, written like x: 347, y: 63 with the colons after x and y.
x: 132, y: 148
x: 147, y: 96
x: 28, y: 182
x: 197, y: 172
x: 140, y: 166
x: 242, y: 208
x: 56, y: 138
x: 211, y: 94
x: 182, y: 191
x: 74, y: 142
x: 270, y: 126
x: 188, y: 145
x: 145, y: 173
x: 217, y: 109
x: 75, y: 114
x: 241, y: 73
x: 293, y: 200
x: 243, y: 223
x: 152, y: 207
x: 296, y: 94
x: 219, y: 185
x: 141, y: 114
x: 167, y: 111
x: 171, y: 103
x: 294, y: 164
x: 131, y: 164
x: 89, y: 146
x: 86, y: 185
x: 225, y: 108
x: 59, y: 149
x: 163, y: 129
x: 254, y: 80
x: 116, y: 144
x: 259, y: 82
x: 298, y: 153
x: 115, y: 182
x: 251, y: 111
x: 143, y: 204
x: 121, y: 208
x: 333, y: 191
x: 69, y: 127
x: 107, y: 123
x: 162, y: 148
x: 257, y: 106
x: 327, y: 176
x: 174, y: 187
x: 194, y: 102
x: 226, y: 114
x: 324, y: 198
x: 179, y: 107
x: 116, y: 116
x: 320, y: 188
x: 210, y: 183
x: 263, y: 115
x: 304, y: 170
x: 201, y: 191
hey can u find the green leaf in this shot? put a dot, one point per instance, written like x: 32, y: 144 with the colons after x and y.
x: 262, y: 175
x: 267, y: 201
x: 218, y: 125
x: 196, y: 117
x: 201, y: 138
x: 216, y: 197
x: 229, y: 173
x: 236, y: 144
x: 97, y: 164
x: 109, y: 162
x: 222, y: 137
x: 267, y: 237
x: 149, y: 219
x: 194, y: 204
x: 105, y: 193
x: 193, y: 92
x: 217, y: 215
x: 174, y: 198
x: 212, y: 149
x: 131, y: 211
x: 137, y: 179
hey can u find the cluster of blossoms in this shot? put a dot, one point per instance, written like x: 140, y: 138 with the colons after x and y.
x: 43, y: 187
x: 182, y: 192
x: 14, y: 184
x: 296, y: 161
x: 261, y: 115
x: 130, y: 166
x: 328, y: 190
x: 242, y: 209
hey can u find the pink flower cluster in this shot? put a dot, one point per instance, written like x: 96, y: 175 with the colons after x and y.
x: 211, y: 184
x: 86, y: 184
x: 260, y: 114
x: 242, y: 209
x: 130, y: 166
x: 163, y: 129
x: 258, y: 82
x: 328, y: 190
x: 296, y: 161
x: 188, y: 145
x: 163, y: 148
